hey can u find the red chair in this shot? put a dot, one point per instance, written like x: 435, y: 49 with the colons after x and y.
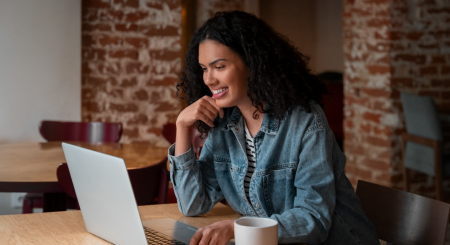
x: 169, y: 131
x: 334, y: 110
x: 80, y: 131
x: 334, y: 104
x: 149, y: 184
x: 72, y: 131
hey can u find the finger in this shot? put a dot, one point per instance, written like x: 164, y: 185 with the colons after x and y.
x: 200, y: 113
x: 209, y: 118
x: 215, y: 240
x: 223, y: 242
x: 206, y: 238
x: 205, y: 106
x: 213, y: 103
x: 206, y: 103
x: 208, y: 110
x: 196, y: 237
x: 201, y: 116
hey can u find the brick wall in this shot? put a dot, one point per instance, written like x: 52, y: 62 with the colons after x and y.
x: 390, y: 46
x: 420, y: 53
x: 130, y: 60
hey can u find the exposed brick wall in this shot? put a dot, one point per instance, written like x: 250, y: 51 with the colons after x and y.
x: 420, y: 59
x: 369, y: 120
x: 130, y: 60
x: 390, y: 46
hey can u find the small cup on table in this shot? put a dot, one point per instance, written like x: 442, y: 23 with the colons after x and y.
x: 255, y: 231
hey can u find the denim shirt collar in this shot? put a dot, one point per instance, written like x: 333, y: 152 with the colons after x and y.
x: 269, y: 125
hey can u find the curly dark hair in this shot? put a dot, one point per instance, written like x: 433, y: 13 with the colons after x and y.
x: 279, y: 78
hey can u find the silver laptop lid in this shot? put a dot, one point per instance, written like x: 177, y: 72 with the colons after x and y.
x: 105, y: 195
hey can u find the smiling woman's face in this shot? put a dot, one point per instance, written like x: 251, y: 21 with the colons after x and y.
x: 224, y: 73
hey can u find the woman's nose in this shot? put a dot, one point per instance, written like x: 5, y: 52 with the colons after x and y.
x: 209, y: 78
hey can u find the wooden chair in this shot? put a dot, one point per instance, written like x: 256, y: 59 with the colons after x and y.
x: 72, y: 131
x: 80, y: 131
x: 422, y: 144
x: 403, y: 218
x: 150, y: 184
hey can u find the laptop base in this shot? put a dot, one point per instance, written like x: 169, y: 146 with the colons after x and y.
x: 172, y: 228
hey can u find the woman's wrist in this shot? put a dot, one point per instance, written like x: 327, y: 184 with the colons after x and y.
x: 183, y: 139
x: 180, y: 126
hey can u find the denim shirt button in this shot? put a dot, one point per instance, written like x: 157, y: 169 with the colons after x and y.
x: 257, y: 205
x: 237, y: 129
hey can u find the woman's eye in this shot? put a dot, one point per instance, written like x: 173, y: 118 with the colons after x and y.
x: 203, y: 69
x: 219, y: 67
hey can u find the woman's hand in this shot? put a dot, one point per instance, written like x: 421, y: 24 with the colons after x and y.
x: 219, y: 233
x: 204, y: 109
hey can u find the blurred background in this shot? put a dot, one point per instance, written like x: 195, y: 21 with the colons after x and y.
x: 117, y: 61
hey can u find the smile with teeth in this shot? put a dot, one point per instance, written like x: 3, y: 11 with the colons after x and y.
x: 219, y: 90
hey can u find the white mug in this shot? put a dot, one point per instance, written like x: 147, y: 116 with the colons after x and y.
x: 255, y: 231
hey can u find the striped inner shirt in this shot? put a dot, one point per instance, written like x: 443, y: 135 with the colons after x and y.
x: 250, y: 150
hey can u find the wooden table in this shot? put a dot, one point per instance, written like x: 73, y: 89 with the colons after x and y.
x: 68, y: 227
x: 31, y: 167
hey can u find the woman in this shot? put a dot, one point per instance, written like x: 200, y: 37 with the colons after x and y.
x: 269, y: 150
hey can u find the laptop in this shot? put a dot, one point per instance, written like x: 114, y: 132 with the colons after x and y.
x: 108, y: 205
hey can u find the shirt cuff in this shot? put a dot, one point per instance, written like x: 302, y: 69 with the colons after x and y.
x: 183, y: 161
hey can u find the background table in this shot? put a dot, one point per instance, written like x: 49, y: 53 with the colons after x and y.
x: 68, y: 227
x: 31, y: 167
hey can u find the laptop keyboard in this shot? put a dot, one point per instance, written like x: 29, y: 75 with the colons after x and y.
x: 154, y: 237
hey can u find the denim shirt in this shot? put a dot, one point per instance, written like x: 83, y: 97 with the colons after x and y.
x: 299, y: 179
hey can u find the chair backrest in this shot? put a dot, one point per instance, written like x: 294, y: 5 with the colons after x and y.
x: 80, y: 131
x: 403, y: 218
x: 65, y: 180
x: 334, y: 102
x: 421, y: 116
x: 148, y: 183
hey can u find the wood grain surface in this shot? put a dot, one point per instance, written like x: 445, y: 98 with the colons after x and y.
x: 37, y: 162
x: 68, y: 227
